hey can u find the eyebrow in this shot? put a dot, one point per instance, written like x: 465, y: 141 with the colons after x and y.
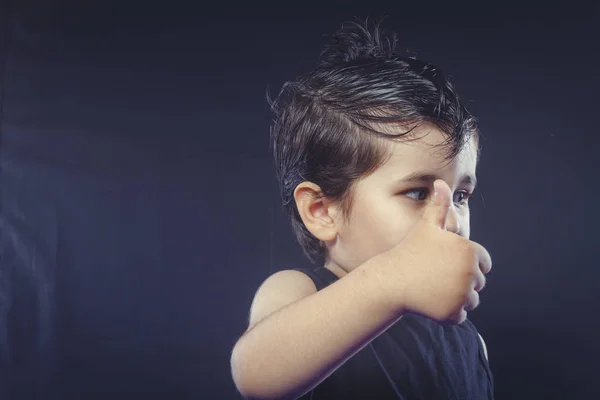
x: 428, y: 178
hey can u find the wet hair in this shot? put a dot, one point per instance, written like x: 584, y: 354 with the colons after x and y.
x: 327, y: 125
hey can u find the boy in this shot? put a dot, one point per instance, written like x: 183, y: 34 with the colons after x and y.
x: 376, y: 158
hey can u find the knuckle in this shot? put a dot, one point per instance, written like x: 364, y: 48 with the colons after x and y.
x: 467, y: 249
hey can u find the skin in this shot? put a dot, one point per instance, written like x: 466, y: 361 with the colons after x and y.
x: 298, y: 336
x: 387, y: 203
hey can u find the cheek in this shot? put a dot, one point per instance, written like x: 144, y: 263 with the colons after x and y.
x: 402, y: 227
x: 388, y: 225
x: 465, y: 224
x: 467, y: 230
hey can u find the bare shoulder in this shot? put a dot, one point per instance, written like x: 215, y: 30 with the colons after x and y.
x: 277, y: 291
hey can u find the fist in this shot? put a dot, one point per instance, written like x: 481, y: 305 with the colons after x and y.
x: 434, y: 272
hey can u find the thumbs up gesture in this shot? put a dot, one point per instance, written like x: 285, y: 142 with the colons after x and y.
x: 434, y: 272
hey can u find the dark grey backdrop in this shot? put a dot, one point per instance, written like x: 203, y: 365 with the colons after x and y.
x: 139, y: 212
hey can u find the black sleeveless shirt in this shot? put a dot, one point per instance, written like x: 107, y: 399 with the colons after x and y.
x: 416, y: 358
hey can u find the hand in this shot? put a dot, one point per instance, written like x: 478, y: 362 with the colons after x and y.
x: 434, y: 272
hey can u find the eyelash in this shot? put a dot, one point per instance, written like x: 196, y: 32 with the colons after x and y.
x: 466, y: 194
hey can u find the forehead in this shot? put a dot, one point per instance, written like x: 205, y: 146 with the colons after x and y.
x: 426, y: 150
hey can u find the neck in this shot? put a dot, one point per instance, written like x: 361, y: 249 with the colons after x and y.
x: 335, y: 269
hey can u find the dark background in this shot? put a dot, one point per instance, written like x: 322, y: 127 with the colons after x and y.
x: 139, y: 209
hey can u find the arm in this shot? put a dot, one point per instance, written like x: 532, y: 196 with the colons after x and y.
x: 292, y: 349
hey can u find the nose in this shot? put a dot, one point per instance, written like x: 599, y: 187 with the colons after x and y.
x: 452, y: 223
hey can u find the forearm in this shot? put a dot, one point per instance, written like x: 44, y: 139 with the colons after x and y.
x: 294, y: 349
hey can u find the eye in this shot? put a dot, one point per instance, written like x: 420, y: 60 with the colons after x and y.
x: 417, y: 194
x: 421, y: 194
x: 461, y: 197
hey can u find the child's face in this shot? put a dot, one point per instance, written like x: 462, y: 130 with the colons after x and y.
x: 388, y: 202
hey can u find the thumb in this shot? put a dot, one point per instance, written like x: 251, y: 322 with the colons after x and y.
x: 439, y: 205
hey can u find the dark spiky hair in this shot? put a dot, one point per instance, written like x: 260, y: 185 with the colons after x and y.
x: 325, y: 126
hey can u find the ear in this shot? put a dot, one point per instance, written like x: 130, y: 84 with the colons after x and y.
x: 317, y: 212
